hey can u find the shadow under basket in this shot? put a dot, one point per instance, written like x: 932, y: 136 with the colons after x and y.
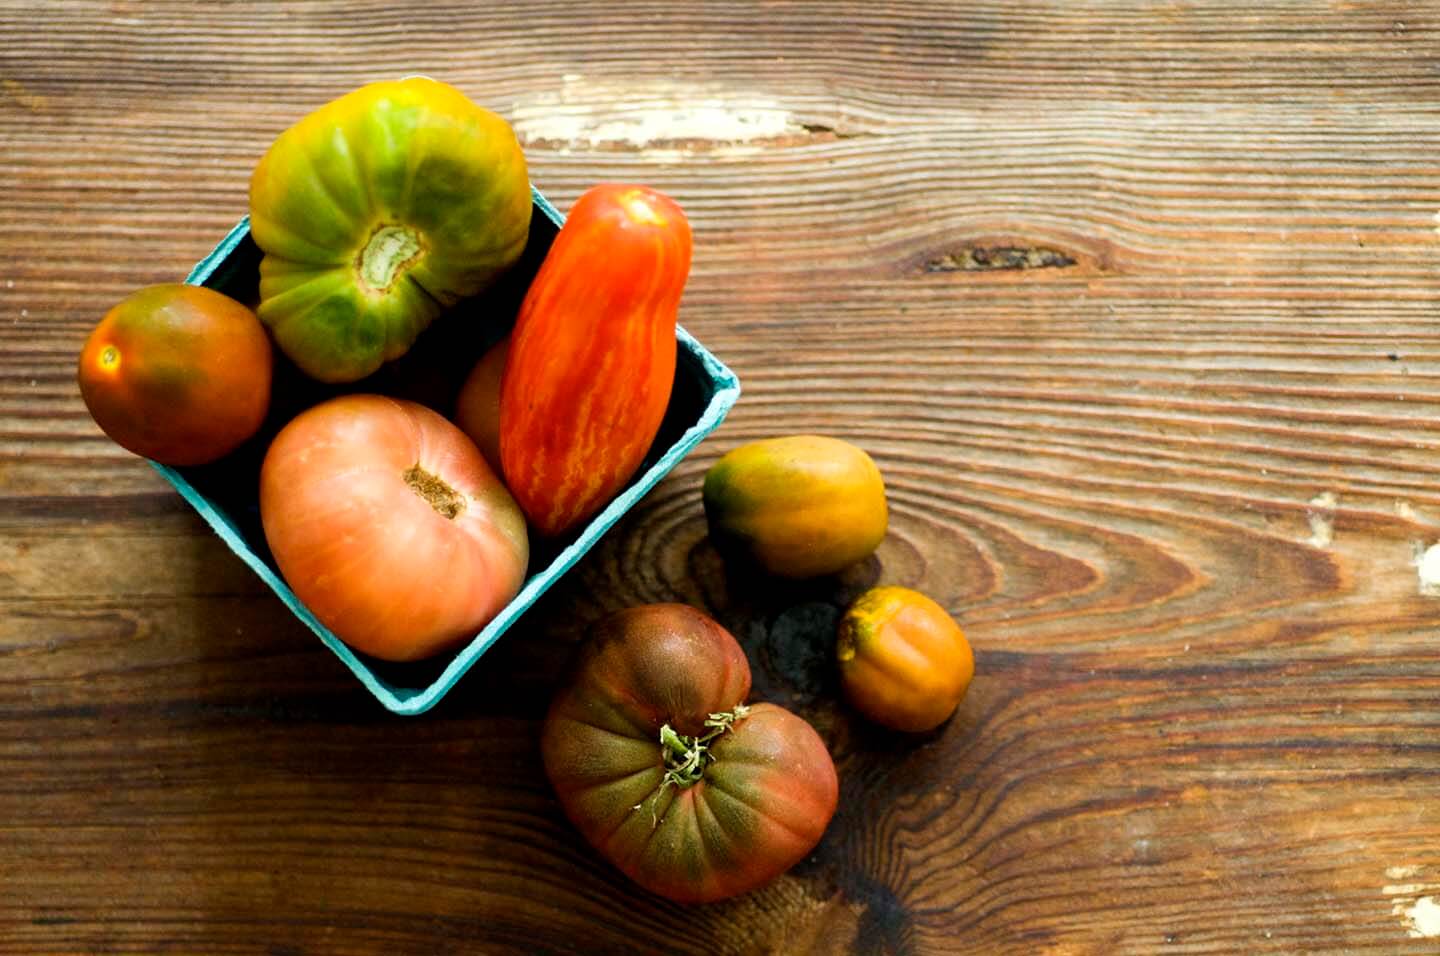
x: 226, y: 492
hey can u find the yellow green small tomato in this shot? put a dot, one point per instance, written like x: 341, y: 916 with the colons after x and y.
x: 798, y: 506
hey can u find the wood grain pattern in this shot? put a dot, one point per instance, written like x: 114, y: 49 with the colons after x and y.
x: 1134, y: 304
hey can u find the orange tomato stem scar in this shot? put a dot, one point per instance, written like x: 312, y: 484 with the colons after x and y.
x: 447, y: 502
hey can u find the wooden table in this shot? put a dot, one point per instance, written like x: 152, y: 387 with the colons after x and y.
x: 1136, y: 305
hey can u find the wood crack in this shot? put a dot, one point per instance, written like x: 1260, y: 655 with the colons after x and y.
x: 1000, y: 258
x: 823, y: 132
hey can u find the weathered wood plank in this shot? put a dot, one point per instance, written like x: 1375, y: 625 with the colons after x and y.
x: 1133, y: 303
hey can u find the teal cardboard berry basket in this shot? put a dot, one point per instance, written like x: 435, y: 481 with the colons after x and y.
x: 226, y: 493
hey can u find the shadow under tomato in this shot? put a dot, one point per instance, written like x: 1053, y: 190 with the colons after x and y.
x: 786, y: 627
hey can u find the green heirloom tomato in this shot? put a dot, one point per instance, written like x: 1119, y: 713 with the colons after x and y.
x: 378, y: 211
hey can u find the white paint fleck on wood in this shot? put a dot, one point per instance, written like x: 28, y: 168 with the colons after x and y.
x: 1428, y: 565
x: 1322, y: 519
x: 1423, y: 917
x: 642, y: 114
x: 1416, y: 903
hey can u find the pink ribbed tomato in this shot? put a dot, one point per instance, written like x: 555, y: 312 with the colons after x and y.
x: 664, y: 768
x: 388, y: 525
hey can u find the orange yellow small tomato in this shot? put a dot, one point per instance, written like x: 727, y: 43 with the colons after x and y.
x: 904, y: 662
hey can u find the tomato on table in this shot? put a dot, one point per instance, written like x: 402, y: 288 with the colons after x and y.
x: 177, y: 373
x: 388, y: 525
x: 377, y: 212
x: 796, y: 506
x: 904, y: 662
x: 662, y: 766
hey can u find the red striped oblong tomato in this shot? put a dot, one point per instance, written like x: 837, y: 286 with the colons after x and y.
x: 592, y: 355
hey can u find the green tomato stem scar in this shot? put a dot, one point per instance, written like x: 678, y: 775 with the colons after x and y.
x: 109, y: 358
x: 389, y: 254
x: 447, y: 502
x: 686, y: 757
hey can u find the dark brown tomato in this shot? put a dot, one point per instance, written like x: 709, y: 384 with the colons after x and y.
x: 664, y: 769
